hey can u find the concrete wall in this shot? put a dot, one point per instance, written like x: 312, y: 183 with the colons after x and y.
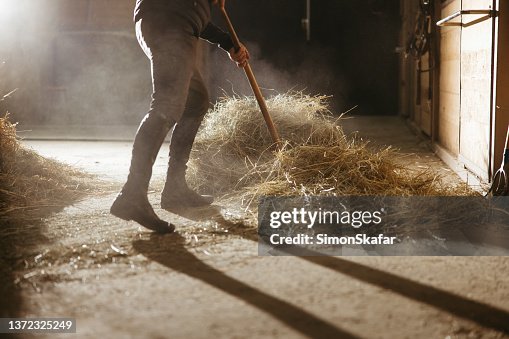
x: 95, y: 14
x: 74, y: 62
x: 27, y: 26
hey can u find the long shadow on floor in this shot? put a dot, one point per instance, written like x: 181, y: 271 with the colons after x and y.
x: 171, y: 252
x: 478, y: 312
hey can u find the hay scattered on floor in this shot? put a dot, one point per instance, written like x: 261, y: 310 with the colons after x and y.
x: 233, y: 153
x: 30, y: 182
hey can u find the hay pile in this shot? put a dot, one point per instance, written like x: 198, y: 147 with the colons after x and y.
x: 233, y: 153
x: 29, y: 182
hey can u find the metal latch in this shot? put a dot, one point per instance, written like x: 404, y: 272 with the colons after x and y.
x: 489, y: 13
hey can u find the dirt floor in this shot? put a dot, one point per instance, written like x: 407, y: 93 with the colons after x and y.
x: 207, y: 280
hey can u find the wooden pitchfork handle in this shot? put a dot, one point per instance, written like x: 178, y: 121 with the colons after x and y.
x: 252, y: 81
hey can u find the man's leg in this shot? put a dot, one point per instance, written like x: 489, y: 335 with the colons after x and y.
x: 172, y: 62
x: 132, y: 202
x: 176, y: 194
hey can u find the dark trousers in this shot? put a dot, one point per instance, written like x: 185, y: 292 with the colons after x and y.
x: 179, y: 97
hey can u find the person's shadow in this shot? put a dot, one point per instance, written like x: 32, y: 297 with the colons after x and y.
x: 170, y: 251
x: 214, y: 213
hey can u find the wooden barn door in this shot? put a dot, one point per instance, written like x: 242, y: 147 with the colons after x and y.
x: 477, y: 65
x: 501, y: 118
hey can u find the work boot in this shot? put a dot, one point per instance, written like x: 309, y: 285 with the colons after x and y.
x: 132, y: 202
x: 137, y: 208
x: 177, y: 194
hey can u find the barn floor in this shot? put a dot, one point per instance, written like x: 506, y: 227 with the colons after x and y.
x: 207, y: 280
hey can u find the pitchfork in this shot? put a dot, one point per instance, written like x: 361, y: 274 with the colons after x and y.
x: 500, y: 185
x: 252, y: 81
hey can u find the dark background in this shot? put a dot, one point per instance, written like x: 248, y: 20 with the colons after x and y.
x: 351, y: 55
x: 75, y: 66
